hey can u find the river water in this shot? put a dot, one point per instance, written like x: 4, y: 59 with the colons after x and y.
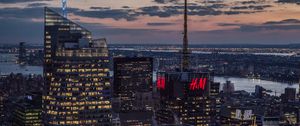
x: 8, y: 65
x: 249, y: 84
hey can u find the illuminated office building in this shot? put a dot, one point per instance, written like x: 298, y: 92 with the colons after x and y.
x: 27, y: 112
x: 22, y: 53
x: 186, y: 98
x: 76, y: 72
x: 215, y: 103
x: 132, y: 75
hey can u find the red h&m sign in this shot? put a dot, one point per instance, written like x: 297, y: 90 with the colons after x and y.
x: 161, y: 83
x: 198, y: 83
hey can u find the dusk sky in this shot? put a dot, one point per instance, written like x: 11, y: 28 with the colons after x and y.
x: 160, y: 21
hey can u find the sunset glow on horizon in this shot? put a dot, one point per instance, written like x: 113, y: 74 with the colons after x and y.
x: 161, y: 20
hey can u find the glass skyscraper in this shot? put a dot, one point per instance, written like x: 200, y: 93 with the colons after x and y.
x: 76, y: 72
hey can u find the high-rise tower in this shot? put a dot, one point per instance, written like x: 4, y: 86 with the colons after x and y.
x: 131, y: 75
x: 185, y: 51
x: 76, y: 73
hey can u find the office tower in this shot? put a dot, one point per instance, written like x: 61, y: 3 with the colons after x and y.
x: 185, y: 98
x: 215, y: 103
x: 28, y: 112
x: 133, y: 89
x: 131, y: 75
x: 76, y: 73
x: 260, y: 92
x: 228, y: 87
x: 289, y: 94
x: 22, y: 53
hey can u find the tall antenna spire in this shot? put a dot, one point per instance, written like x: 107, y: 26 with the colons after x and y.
x: 64, y: 8
x: 185, y: 51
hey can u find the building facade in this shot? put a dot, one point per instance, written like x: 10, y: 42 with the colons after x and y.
x: 22, y: 59
x: 132, y: 75
x: 186, y: 98
x: 28, y: 112
x: 76, y: 72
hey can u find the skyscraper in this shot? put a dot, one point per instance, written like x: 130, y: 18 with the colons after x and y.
x: 22, y: 53
x: 131, y: 75
x: 133, y: 87
x: 28, y: 112
x: 185, y: 98
x: 76, y: 73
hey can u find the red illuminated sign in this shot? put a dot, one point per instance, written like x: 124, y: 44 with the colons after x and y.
x: 161, y: 83
x: 198, y: 83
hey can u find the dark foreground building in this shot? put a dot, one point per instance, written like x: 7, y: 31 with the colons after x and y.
x: 22, y: 53
x: 133, y: 89
x: 132, y: 75
x: 28, y: 111
x: 76, y: 73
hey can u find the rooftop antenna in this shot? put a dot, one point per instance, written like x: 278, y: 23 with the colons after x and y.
x: 185, y: 51
x: 64, y: 8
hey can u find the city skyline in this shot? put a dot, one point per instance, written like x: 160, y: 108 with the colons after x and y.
x: 75, y: 78
x: 160, y: 21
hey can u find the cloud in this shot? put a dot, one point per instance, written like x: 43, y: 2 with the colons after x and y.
x: 166, y: 1
x: 125, y: 7
x: 159, y: 23
x: 19, y: 1
x: 17, y: 24
x: 287, y: 21
x: 37, y: 5
x: 164, y: 11
x: 27, y: 13
x: 249, y: 2
x: 100, y: 8
x: 16, y: 30
x: 22, y: 12
x: 289, y: 1
x: 253, y: 28
x: 251, y: 7
x: 288, y: 24
x: 116, y: 14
